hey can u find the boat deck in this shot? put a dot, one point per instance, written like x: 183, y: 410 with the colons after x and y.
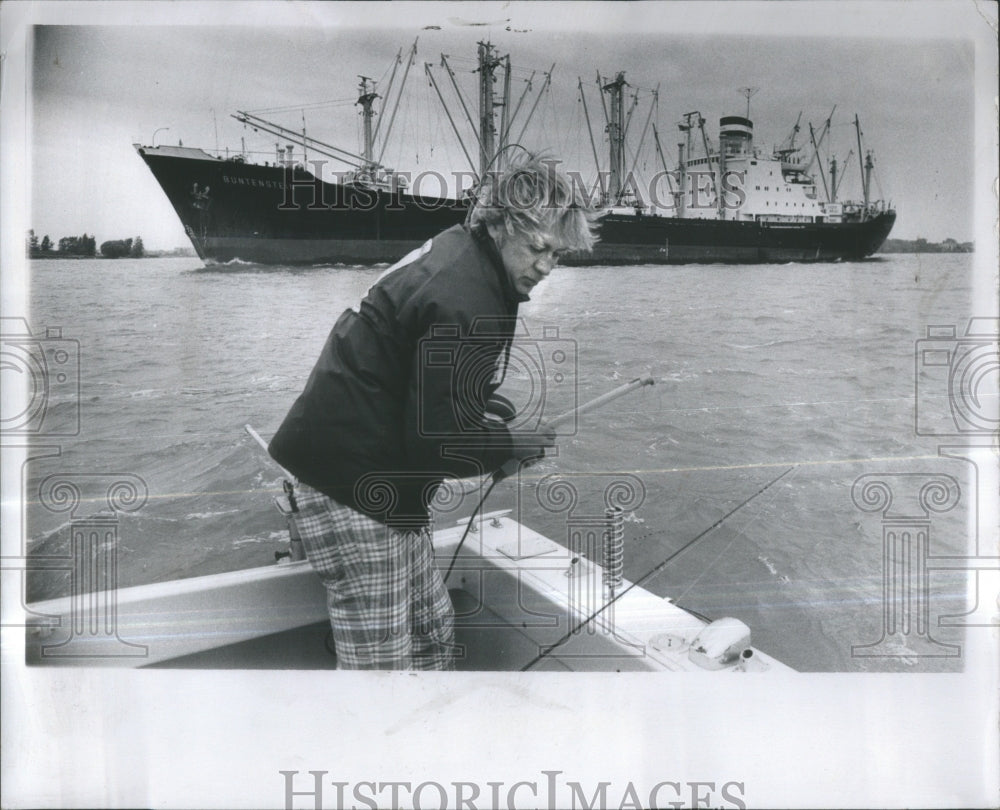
x: 522, y: 601
x: 502, y: 648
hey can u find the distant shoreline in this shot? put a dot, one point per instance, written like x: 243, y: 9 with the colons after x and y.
x: 890, y: 246
x: 176, y: 253
x: 923, y: 246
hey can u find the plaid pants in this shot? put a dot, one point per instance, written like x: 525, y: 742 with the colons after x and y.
x: 389, y: 608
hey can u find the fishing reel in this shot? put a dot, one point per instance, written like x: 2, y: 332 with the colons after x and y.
x: 289, y: 508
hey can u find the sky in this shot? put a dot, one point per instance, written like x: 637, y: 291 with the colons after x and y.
x: 95, y: 89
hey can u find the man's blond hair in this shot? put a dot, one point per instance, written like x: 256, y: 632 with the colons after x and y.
x: 534, y: 196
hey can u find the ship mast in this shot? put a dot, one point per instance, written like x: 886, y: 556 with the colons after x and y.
x: 593, y: 146
x: 504, y: 110
x: 708, y: 157
x: 869, y: 165
x: 843, y: 174
x: 683, y: 156
x: 366, y: 99
x: 654, y: 106
x: 616, y: 129
x: 748, y: 92
x: 487, y: 126
x: 866, y: 167
x: 819, y: 164
x: 366, y: 164
x: 305, y: 149
x: 492, y: 141
x: 817, y: 142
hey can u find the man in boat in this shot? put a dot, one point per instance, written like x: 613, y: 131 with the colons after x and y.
x: 398, y: 401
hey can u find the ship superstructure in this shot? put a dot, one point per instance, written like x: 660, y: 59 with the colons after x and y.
x: 739, y: 182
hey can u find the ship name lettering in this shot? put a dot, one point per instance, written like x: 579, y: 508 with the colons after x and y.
x: 250, y: 181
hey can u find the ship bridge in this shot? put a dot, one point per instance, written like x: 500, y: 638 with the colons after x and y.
x: 735, y: 136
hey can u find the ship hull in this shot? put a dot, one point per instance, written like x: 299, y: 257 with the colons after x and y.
x: 234, y: 211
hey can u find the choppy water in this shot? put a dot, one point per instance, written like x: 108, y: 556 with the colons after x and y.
x: 759, y: 369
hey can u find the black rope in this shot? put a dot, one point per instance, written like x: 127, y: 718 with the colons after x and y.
x: 653, y: 572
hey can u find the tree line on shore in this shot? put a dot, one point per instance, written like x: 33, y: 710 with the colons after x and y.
x: 86, y: 247
x: 921, y: 245
x: 82, y: 247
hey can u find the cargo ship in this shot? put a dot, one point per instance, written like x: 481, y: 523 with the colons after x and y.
x: 730, y: 202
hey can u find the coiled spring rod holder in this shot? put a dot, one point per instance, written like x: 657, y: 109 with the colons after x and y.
x: 614, y: 547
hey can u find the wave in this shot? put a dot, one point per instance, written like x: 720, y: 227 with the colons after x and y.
x: 891, y: 330
x: 772, y: 570
x: 41, y: 541
x: 270, y: 537
x: 147, y: 393
x: 767, y: 344
x: 270, y: 382
x: 680, y: 376
x: 345, y: 266
x: 268, y: 484
x: 204, y: 515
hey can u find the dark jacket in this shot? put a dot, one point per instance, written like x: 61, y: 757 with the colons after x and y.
x: 396, y: 400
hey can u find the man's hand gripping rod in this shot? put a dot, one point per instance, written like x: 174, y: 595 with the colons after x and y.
x: 514, y: 464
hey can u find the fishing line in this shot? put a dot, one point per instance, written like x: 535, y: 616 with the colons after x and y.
x: 719, y: 556
x: 653, y: 572
x: 494, y: 480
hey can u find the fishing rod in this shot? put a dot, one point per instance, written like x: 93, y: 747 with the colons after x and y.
x: 260, y: 440
x: 509, y: 468
x: 512, y: 466
x: 602, y: 400
x: 654, y: 571
x: 296, y: 551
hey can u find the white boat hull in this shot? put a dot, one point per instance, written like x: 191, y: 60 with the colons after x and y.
x: 521, y: 600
